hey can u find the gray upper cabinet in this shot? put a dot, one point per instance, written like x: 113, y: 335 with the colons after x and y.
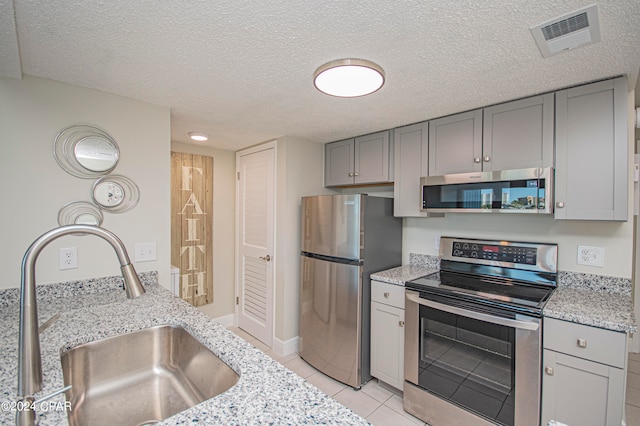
x: 513, y: 135
x: 338, y: 163
x: 518, y: 134
x: 363, y: 160
x: 455, y: 143
x: 411, y: 144
x: 592, y: 152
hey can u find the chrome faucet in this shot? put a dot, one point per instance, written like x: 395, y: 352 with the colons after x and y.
x: 29, y: 358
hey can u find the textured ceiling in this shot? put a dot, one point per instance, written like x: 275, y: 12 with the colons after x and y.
x: 241, y: 71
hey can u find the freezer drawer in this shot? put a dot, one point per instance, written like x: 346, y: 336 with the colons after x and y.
x: 330, y: 318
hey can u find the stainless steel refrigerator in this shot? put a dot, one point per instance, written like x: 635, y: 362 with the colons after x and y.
x: 344, y: 238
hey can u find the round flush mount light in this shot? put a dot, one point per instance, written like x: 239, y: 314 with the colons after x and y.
x: 197, y: 136
x: 349, y: 78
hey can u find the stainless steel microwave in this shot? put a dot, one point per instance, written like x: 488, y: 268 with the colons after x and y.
x: 506, y: 191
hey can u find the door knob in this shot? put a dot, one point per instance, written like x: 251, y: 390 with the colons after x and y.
x: 266, y: 258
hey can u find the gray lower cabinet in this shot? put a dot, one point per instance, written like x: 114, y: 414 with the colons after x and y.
x: 411, y: 144
x: 387, y: 333
x: 592, y: 152
x: 363, y: 160
x: 583, y: 379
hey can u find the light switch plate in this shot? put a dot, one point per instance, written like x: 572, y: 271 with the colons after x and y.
x: 145, y: 252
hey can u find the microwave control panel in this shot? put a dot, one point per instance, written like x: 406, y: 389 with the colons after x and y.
x: 501, y: 253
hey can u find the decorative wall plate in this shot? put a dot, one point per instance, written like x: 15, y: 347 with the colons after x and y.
x: 86, y: 151
x: 115, y: 193
x: 80, y: 213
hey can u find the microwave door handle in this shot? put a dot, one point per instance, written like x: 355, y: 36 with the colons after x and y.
x: 475, y: 315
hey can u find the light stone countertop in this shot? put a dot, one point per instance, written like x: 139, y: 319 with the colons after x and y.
x: 402, y: 274
x: 588, y: 307
x: 266, y: 393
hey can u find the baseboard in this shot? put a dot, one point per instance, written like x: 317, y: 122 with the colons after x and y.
x: 227, y: 320
x: 285, y: 347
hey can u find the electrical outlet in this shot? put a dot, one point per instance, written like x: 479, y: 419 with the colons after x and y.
x: 591, y: 256
x: 436, y: 243
x: 145, y: 252
x: 68, y: 258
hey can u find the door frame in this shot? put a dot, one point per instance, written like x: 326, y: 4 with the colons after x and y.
x: 238, y: 259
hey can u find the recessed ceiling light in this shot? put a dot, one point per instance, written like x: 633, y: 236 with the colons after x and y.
x: 348, y: 78
x: 197, y: 136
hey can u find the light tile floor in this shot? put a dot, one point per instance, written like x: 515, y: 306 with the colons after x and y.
x: 381, y: 406
x: 378, y: 404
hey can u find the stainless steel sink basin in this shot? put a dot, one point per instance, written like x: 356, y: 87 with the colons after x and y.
x: 141, y: 377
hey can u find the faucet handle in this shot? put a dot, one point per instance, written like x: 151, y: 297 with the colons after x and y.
x: 52, y: 394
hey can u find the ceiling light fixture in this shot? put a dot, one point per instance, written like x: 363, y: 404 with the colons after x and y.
x: 349, y: 78
x: 197, y: 136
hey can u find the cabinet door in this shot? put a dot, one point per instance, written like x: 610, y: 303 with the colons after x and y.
x: 576, y: 391
x: 592, y: 152
x: 387, y: 344
x: 455, y: 144
x: 519, y: 134
x: 338, y: 163
x: 372, y: 158
x: 410, y: 157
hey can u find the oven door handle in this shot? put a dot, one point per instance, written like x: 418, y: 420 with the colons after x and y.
x: 508, y: 322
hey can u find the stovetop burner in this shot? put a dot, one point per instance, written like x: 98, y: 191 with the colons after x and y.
x: 517, y: 277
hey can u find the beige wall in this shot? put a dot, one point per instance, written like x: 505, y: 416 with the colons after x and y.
x: 224, y: 171
x: 34, y: 187
x: 300, y: 172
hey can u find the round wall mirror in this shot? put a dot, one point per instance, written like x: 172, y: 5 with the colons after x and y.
x: 86, y: 151
x: 96, y: 154
x: 79, y: 213
x: 115, y: 193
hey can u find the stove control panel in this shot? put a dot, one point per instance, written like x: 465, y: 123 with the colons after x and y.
x: 501, y: 253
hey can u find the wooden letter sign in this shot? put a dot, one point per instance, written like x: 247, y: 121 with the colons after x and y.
x: 191, y: 225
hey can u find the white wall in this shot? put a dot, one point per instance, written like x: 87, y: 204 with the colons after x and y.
x: 34, y: 187
x: 224, y: 172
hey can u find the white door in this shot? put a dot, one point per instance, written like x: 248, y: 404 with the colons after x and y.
x: 255, y: 201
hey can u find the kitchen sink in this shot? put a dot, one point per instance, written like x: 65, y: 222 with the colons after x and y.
x: 141, y: 377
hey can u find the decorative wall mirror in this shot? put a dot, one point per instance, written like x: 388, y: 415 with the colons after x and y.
x: 115, y: 194
x: 80, y: 213
x: 86, y: 151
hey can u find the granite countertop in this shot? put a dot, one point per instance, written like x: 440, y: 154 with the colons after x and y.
x: 402, y: 274
x: 266, y: 393
x: 598, y: 309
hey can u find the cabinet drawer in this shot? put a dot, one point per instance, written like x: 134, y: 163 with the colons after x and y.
x: 389, y: 294
x: 595, y: 344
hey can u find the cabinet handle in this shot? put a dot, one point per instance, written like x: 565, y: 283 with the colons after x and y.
x: 560, y: 204
x: 401, y: 323
x: 350, y: 174
x: 549, y: 370
x: 386, y: 294
x: 355, y: 174
x: 487, y: 159
x: 476, y: 160
x: 582, y: 343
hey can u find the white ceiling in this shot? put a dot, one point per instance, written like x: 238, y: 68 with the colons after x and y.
x: 241, y: 71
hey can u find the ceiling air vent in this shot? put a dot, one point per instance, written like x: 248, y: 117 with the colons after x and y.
x: 567, y: 32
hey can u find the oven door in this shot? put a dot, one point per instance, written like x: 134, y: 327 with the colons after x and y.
x: 464, y: 366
